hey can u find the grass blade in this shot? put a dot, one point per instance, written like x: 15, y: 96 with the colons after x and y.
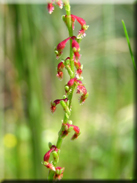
x: 131, y: 53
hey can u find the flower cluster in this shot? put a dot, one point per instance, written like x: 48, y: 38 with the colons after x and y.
x: 74, y: 68
x: 58, y: 170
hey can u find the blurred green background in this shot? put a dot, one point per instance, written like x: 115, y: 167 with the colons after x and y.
x: 104, y: 150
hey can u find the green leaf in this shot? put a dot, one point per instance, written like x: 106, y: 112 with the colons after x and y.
x: 128, y: 42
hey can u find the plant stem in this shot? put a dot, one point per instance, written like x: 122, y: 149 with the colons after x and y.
x: 66, y: 117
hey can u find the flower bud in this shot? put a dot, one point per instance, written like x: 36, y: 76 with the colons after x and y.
x: 55, y: 156
x: 50, y: 145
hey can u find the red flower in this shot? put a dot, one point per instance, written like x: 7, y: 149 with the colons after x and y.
x: 66, y: 130
x: 81, y: 89
x: 59, y: 3
x: 59, y: 70
x: 56, y: 102
x: 50, y: 8
x: 78, y: 67
x: 84, y: 27
x: 71, y: 82
x: 76, y: 48
x: 49, y: 165
x: 81, y: 33
x: 83, y: 98
x: 79, y: 19
x: 60, y: 47
x: 59, y: 173
x: 47, y: 156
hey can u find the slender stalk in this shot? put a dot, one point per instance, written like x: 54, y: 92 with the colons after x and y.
x: 70, y: 63
x: 70, y: 30
x: 128, y: 42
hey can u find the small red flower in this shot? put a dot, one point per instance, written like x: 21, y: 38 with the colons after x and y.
x: 79, y: 72
x: 50, y: 8
x: 78, y: 67
x: 81, y: 33
x: 71, y: 82
x: 47, y: 156
x: 56, y: 102
x: 59, y: 70
x: 80, y: 20
x: 59, y: 173
x: 81, y: 89
x: 60, y: 47
x: 83, y: 98
x: 66, y: 131
x: 74, y: 136
x: 76, y: 48
x: 50, y: 166
x: 84, y: 27
x: 59, y: 3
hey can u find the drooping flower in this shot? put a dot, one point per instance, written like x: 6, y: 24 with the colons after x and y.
x: 50, y: 7
x: 47, y: 156
x: 60, y: 47
x: 49, y: 165
x: 68, y: 128
x: 83, y: 98
x: 59, y: 173
x: 76, y: 48
x: 84, y: 27
x: 56, y: 102
x: 81, y: 33
x: 60, y: 69
x: 59, y: 3
x: 78, y: 67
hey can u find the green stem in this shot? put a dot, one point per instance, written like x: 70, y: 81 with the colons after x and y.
x: 66, y: 116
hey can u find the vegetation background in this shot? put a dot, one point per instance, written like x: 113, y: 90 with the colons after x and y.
x: 104, y: 150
